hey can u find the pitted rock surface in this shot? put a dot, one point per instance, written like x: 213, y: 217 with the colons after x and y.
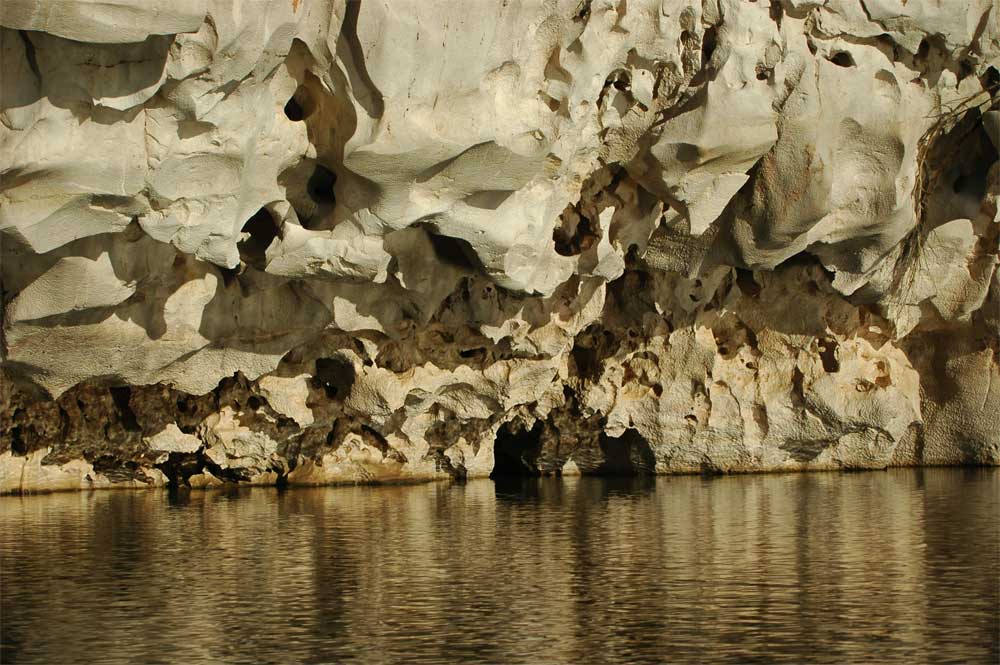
x: 317, y: 241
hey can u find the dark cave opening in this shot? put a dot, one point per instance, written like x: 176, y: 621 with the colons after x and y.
x: 709, y: 41
x: 842, y: 59
x: 293, y: 111
x: 263, y: 230
x: 828, y: 355
x: 747, y: 284
x: 626, y: 455
x: 18, y: 446
x: 516, y: 450
x: 335, y: 375
x: 300, y: 105
x: 320, y: 185
x: 229, y: 275
x: 121, y: 396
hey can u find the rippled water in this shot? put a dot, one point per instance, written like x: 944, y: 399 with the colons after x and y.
x: 901, y: 565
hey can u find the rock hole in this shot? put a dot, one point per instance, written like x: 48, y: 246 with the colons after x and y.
x: 516, y: 450
x: 293, y: 111
x: 320, y: 185
x: 708, y: 44
x: 924, y: 49
x: 335, y: 375
x: 254, y: 403
x: 828, y: 355
x: 990, y: 78
x: 229, y: 274
x: 798, y: 387
x: 478, y: 353
x: 627, y: 455
x: 965, y: 69
x: 179, y: 467
x: 299, y: 106
x: 748, y: 285
x: 842, y: 59
x: 777, y: 12
x: 587, y: 362
x: 121, y: 396
x: 18, y: 445
x: 575, y: 234
x: 261, y: 231
x: 657, y: 389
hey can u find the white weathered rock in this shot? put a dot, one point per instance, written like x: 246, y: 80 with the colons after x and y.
x: 104, y: 21
x: 173, y: 440
x: 359, y: 241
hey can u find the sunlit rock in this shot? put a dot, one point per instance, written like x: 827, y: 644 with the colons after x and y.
x: 313, y: 242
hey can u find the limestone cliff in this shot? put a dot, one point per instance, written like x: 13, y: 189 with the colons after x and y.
x: 312, y: 241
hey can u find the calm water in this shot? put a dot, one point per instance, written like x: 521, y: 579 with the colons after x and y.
x: 899, y: 566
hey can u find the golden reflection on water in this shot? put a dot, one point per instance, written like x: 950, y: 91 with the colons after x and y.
x: 901, y: 566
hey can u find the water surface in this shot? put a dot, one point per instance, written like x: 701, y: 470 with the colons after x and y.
x: 895, y: 566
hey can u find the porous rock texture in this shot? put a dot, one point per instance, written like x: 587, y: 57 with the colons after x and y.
x: 310, y: 241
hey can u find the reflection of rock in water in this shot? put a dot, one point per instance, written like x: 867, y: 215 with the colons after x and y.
x: 760, y: 237
x: 635, y: 569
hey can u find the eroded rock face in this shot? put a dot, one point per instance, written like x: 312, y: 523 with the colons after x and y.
x: 310, y: 241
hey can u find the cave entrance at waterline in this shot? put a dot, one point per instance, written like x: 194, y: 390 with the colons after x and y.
x: 516, y: 450
x: 518, y: 453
